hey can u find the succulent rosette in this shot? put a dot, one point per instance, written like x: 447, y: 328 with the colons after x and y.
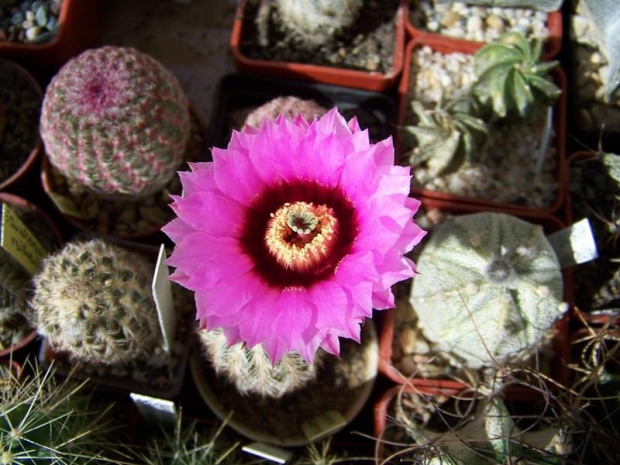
x: 294, y: 234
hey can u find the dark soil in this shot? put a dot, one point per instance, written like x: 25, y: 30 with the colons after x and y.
x: 595, y: 195
x: 368, y: 45
x: 20, y: 105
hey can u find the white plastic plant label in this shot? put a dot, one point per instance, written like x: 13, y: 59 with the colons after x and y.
x: 156, y: 411
x: 574, y: 245
x: 268, y: 452
x: 17, y: 239
x: 162, y: 294
x: 543, y: 144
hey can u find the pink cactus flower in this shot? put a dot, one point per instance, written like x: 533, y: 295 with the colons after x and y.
x: 294, y: 234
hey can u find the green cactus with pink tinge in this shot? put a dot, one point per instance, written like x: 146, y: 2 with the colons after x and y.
x: 116, y: 121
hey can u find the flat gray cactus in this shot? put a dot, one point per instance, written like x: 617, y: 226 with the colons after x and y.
x: 489, y: 288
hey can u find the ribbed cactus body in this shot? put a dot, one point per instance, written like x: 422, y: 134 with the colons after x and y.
x: 251, y: 371
x: 116, y: 121
x: 94, y: 301
x: 511, y: 78
x: 446, y: 136
x: 316, y: 21
x: 489, y: 288
x: 290, y: 107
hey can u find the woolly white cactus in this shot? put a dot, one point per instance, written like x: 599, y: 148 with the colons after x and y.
x: 489, y: 288
x: 251, y: 371
x: 316, y: 21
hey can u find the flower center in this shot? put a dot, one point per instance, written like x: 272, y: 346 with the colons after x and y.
x: 301, y: 235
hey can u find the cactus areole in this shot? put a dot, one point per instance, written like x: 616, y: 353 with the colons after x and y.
x: 489, y: 288
x: 116, y: 121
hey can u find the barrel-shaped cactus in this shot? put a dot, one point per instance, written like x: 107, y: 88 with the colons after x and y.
x: 251, y: 371
x: 290, y: 107
x: 93, y: 300
x: 489, y: 288
x: 43, y: 420
x: 116, y: 121
x: 511, y: 78
x: 445, y: 137
x: 316, y: 21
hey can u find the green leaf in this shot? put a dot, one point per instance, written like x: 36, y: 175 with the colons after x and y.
x: 491, y: 88
x: 493, y: 55
x: 521, y: 95
x: 545, y: 67
x: 543, y: 87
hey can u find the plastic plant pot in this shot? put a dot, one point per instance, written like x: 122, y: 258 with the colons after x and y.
x: 331, y: 417
x: 238, y: 94
x: 30, y: 159
x: 559, y: 125
x: 560, y: 344
x: 552, y: 45
x: 19, y: 202
x: 79, y: 24
x: 454, y: 411
x: 325, y: 74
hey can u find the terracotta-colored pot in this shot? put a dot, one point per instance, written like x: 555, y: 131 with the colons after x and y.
x: 552, y: 45
x: 11, y: 199
x: 325, y: 74
x: 35, y: 151
x: 446, y: 47
x: 560, y: 341
x: 79, y: 24
x: 384, y: 419
x: 66, y: 205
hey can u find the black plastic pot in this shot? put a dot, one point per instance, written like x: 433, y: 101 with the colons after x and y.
x: 237, y: 94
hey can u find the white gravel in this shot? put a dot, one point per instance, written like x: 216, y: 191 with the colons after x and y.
x: 478, y: 23
x: 506, y: 171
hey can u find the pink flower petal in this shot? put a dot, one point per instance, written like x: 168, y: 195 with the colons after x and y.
x: 212, y: 213
x: 235, y: 176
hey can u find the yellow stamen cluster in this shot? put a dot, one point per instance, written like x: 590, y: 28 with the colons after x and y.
x: 301, y: 235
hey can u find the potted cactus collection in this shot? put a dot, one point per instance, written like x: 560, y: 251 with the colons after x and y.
x: 477, y: 127
x: 480, y: 21
x: 352, y: 43
x: 116, y: 126
x: 345, y: 244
